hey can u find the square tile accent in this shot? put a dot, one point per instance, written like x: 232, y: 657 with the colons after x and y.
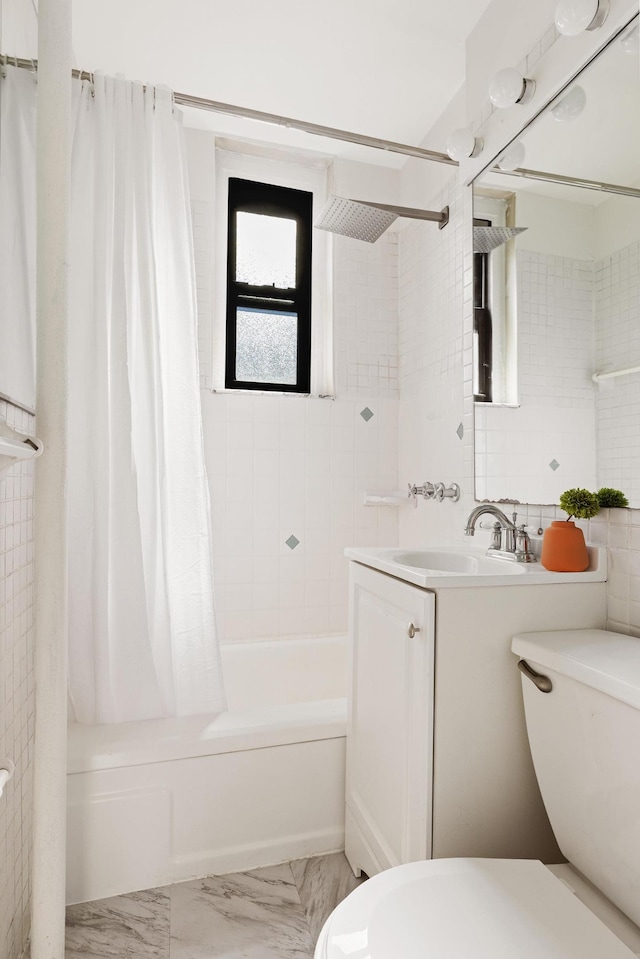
x: 366, y: 414
x: 292, y: 542
x: 460, y: 431
x: 554, y: 464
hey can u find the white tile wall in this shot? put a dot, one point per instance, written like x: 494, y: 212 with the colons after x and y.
x: 436, y: 418
x: 366, y: 303
x: 555, y: 331
x: 546, y: 444
x: 282, y: 466
x: 617, y: 343
x: 16, y: 684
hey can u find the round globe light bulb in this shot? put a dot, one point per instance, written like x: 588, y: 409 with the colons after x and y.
x: 571, y: 105
x: 574, y: 16
x: 513, y: 156
x: 462, y: 144
x: 509, y: 87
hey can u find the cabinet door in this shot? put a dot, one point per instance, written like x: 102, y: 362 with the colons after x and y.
x: 390, y: 726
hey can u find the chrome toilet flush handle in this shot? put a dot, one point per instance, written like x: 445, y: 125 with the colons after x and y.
x: 543, y: 683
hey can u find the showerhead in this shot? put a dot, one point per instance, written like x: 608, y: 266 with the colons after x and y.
x: 488, y: 238
x: 368, y: 221
x: 362, y: 221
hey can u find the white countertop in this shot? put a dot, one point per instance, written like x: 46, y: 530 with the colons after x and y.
x: 383, y: 559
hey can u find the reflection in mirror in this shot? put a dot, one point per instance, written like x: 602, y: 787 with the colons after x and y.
x: 558, y: 305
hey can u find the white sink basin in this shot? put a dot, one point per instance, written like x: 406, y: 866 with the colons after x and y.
x: 442, y: 561
x: 454, y: 567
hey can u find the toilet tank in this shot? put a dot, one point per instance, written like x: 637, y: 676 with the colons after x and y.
x: 585, y: 744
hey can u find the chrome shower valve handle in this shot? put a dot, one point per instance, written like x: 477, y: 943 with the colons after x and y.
x: 437, y: 491
x: 447, y: 492
x: 427, y: 490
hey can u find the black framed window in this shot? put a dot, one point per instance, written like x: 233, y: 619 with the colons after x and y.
x: 482, y: 325
x: 268, y: 344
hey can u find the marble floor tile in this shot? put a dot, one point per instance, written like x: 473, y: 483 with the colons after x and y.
x: 253, y: 915
x: 322, y: 883
x: 135, y: 926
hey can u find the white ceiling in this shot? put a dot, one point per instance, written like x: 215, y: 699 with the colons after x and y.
x: 385, y: 68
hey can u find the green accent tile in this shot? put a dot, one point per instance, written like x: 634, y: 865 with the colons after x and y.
x: 554, y: 464
x: 460, y: 431
x: 292, y: 542
x: 366, y: 414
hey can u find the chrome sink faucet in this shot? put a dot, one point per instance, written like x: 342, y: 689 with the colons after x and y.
x: 509, y: 541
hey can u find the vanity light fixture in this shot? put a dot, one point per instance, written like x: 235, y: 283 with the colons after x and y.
x: 513, y: 156
x: 571, y: 105
x: 509, y: 87
x: 462, y: 144
x: 575, y: 16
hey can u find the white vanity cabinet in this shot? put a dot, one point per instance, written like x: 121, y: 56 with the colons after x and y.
x: 389, y: 765
x: 438, y: 761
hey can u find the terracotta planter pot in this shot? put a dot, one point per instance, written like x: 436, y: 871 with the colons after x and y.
x: 563, y: 548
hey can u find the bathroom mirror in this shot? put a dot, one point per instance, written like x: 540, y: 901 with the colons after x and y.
x: 557, y: 306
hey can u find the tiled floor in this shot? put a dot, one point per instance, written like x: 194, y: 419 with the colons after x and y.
x: 271, y: 913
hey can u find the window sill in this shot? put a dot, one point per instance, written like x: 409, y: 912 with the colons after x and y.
x: 304, y: 396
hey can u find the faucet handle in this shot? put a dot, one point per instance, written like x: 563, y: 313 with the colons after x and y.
x: 523, y: 545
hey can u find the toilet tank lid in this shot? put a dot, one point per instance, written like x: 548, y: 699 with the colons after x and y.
x: 606, y: 661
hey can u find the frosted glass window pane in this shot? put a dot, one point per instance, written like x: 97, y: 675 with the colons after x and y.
x: 266, y: 346
x: 265, y: 250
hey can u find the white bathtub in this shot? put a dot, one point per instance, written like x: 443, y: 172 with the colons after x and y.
x: 165, y: 800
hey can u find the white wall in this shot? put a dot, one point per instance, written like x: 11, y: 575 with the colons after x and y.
x: 18, y: 36
x: 282, y: 466
x: 548, y: 442
x: 17, y: 685
x: 555, y: 227
x: 436, y: 422
x: 18, y: 28
x: 616, y: 224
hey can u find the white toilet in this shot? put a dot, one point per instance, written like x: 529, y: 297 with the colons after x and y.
x: 585, y: 743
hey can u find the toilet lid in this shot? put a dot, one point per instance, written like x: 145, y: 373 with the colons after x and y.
x: 467, y: 909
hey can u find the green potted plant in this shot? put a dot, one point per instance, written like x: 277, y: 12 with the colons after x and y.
x: 611, y: 498
x: 563, y: 547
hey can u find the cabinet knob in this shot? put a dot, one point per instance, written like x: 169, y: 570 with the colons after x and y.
x: 412, y: 630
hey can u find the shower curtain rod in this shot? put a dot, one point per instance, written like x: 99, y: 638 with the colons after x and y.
x: 597, y: 185
x: 214, y: 106
x: 420, y: 153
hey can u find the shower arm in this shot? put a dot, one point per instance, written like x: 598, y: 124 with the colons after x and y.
x: 411, y: 213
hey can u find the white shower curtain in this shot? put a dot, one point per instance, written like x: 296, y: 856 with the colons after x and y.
x: 142, y: 638
x: 18, y: 235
